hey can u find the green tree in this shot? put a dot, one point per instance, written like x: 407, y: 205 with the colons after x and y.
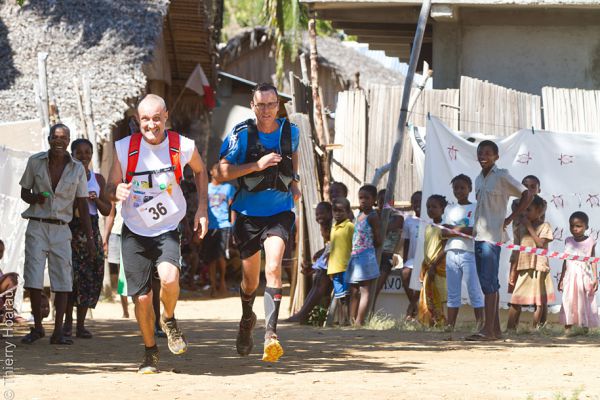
x: 287, y: 19
x: 242, y: 14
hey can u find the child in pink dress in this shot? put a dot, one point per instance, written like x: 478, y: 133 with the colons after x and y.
x: 578, y: 279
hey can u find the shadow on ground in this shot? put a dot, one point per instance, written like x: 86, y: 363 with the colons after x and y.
x: 116, y: 347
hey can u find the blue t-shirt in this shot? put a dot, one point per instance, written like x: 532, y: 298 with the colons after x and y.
x: 267, y: 202
x: 219, y: 197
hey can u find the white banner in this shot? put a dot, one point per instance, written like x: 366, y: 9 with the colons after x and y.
x: 567, y: 165
x: 12, y: 228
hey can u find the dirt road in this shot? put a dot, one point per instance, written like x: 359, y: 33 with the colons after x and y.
x: 319, y: 363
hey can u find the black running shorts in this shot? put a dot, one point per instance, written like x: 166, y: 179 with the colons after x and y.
x: 251, y: 232
x: 142, y: 254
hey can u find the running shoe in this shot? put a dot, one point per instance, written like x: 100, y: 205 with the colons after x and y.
x: 150, y: 363
x: 244, y: 341
x: 175, y: 339
x: 273, y: 350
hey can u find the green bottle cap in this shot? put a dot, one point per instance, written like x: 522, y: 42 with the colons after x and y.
x: 46, y: 194
x: 162, y: 186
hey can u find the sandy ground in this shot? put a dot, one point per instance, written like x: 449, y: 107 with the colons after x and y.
x: 319, y: 363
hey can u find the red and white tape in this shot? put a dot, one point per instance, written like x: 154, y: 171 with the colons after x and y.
x: 519, y: 248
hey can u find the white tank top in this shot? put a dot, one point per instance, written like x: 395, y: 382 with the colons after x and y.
x: 152, y: 158
x: 93, y: 186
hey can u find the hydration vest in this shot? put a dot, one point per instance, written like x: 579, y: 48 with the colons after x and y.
x: 278, y: 177
x: 134, y: 153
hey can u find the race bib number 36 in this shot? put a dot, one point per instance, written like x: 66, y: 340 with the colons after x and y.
x: 157, y: 209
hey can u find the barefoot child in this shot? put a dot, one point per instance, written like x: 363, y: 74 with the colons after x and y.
x: 215, y: 247
x: 321, y: 285
x: 578, y: 279
x: 532, y: 183
x: 460, y: 259
x: 341, y: 249
x: 494, y: 187
x: 363, y: 267
x: 533, y: 285
x: 433, y: 270
x: 410, y: 232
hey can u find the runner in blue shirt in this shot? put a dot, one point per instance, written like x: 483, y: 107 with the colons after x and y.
x: 262, y: 155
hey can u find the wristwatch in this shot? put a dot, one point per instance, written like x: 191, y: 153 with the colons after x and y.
x: 296, y: 177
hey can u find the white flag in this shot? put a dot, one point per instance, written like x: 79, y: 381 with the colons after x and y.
x: 197, y: 80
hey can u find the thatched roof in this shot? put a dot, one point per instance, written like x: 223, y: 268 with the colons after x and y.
x: 345, y: 61
x: 106, y: 40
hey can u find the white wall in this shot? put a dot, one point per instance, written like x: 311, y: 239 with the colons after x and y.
x: 523, y: 50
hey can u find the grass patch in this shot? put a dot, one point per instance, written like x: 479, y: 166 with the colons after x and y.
x: 555, y: 330
x: 381, y: 322
x: 575, y: 395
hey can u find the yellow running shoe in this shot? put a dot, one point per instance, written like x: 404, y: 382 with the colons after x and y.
x: 273, y: 350
x: 150, y: 363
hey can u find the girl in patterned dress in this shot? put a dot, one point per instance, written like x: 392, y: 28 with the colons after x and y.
x: 434, y: 293
x: 531, y: 273
x: 579, y: 279
x: 363, y: 267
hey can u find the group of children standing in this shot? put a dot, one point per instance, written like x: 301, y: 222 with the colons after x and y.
x: 459, y: 248
x: 450, y: 258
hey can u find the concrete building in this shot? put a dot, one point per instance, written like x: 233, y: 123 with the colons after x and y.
x: 519, y: 44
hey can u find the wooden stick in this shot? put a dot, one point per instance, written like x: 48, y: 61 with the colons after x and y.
x: 297, y: 291
x: 317, y: 108
x: 326, y: 133
x: 79, y: 106
x: 43, y: 87
x: 178, y: 98
x: 304, y: 69
x: 38, y: 102
x: 391, y: 184
x: 89, y: 122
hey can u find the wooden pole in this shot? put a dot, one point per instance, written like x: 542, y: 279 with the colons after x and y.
x: 88, y: 117
x: 89, y: 122
x: 79, y: 106
x: 304, y: 69
x: 297, y: 292
x: 43, y: 92
x: 326, y: 133
x: 317, y: 107
x: 391, y: 184
x: 178, y: 98
x: 384, y: 169
x: 38, y: 102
